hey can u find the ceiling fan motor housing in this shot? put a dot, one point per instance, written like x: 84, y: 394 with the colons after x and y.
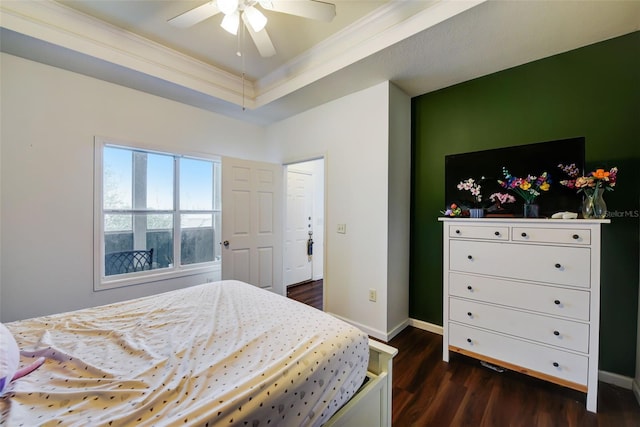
x: 254, y: 20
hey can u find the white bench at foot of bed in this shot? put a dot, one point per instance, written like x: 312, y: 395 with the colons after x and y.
x: 371, y: 405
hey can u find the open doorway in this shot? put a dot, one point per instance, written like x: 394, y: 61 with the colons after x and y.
x: 304, y: 225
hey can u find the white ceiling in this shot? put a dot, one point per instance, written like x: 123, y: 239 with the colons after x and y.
x: 208, y: 42
x: 421, y: 46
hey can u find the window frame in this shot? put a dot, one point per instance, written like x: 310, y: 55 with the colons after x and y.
x: 102, y: 282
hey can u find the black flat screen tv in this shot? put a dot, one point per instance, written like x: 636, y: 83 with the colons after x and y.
x: 520, y: 160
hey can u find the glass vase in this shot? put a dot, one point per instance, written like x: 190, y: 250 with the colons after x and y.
x: 530, y: 210
x: 593, y: 205
x: 476, y: 213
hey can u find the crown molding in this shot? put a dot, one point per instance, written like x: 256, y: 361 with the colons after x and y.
x: 340, y: 43
x: 366, y: 27
x: 57, y: 24
x: 65, y: 27
x: 382, y: 28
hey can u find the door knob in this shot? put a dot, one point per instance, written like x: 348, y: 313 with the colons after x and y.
x: 226, y: 243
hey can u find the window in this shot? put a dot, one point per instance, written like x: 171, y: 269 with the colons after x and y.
x: 157, y: 215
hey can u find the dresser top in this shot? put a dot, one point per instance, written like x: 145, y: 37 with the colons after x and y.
x: 543, y: 221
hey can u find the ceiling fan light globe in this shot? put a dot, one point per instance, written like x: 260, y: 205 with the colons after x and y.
x: 227, y: 6
x: 231, y: 22
x: 256, y: 19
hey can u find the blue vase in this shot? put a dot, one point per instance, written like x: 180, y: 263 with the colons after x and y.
x: 476, y: 213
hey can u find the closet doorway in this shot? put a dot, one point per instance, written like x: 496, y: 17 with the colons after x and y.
x: 304, y: 222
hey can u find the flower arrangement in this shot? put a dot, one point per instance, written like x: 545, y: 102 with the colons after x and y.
x: 502, y: 199
x: 528, y: 188
x: 591, y: 182
x: 473, y: 187
x: 453, y: 210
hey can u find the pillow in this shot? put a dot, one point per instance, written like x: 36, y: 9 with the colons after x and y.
x: 9, y: 358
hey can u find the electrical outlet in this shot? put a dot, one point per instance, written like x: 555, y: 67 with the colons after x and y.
x: 342, y: 228
x: 373, y: 295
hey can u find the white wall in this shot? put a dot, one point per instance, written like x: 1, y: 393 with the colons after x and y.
x: 1, y: 81
x: 399, y: 210
x: 353, y: 132
x: 49, y: 118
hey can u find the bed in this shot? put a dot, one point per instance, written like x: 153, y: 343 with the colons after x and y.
x: 223, y: 353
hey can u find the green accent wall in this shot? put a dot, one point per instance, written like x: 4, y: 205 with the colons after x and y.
x: 593, y: 92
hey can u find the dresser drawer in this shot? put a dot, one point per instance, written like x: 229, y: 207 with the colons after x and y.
x: 570, y: 303
x: 572, y: 236
x: 548, y: 330
x: 554, y: 362
x: 479, y: 232
x: 550, y: 264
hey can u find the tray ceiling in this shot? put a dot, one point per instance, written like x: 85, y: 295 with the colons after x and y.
x: 420, y: 46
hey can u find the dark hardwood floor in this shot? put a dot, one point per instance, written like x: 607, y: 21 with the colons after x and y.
x: 309, y: 293
x: 430, y: 392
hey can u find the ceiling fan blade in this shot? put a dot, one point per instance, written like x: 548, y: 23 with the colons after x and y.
x: 195, y: 15
x: 261, y: 39
x: 311, y: 9
x: 231, y: 22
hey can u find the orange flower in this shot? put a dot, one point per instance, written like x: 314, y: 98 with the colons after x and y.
x: 600, y: 174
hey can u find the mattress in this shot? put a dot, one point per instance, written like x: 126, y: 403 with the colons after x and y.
x: 224, y: 353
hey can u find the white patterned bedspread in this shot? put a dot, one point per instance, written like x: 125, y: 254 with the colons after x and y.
x: 224, y: 353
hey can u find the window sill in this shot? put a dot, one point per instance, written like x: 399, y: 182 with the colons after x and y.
x: 103, y: 283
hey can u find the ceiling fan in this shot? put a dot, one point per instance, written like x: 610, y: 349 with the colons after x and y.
x: 253, y: 19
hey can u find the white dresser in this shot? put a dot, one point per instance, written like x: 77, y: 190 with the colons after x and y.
x: 525, y: 294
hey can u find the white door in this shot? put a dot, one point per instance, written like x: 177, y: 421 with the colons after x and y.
x: 298, y: 224
x: 252, y: 223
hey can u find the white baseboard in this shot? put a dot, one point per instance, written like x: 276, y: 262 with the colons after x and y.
x: 615, y: 379
x: 395, y: 331
x: 426, y: 326
x: 375, y: 333
x: 604, y: 376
